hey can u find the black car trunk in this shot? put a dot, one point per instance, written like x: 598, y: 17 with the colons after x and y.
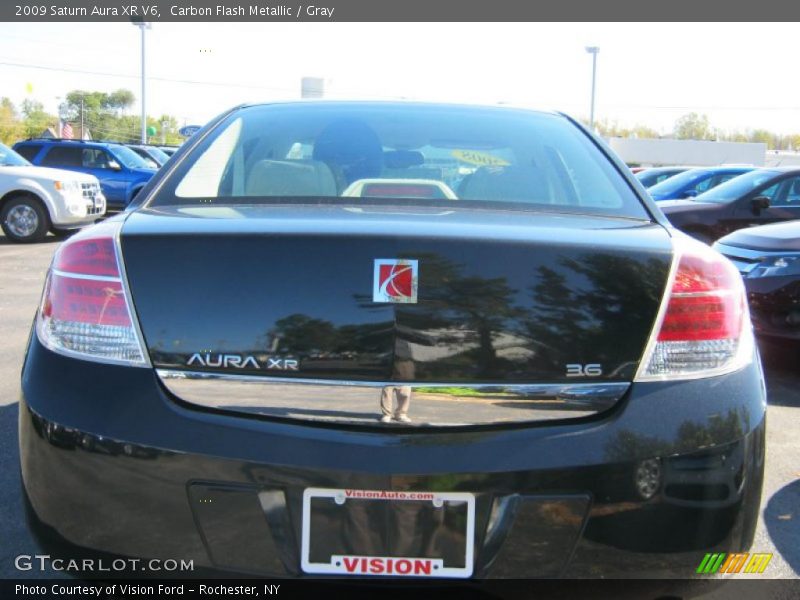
x: 287, y: 291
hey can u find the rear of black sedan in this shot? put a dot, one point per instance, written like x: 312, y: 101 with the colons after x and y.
x: 375, y: 339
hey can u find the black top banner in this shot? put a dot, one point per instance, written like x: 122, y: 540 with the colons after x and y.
x: 397, y: 10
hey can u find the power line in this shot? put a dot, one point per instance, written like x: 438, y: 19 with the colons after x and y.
x: 164, y: 79
x: 72, y: 69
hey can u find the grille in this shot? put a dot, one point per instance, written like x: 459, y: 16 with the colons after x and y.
x: 90, y: 192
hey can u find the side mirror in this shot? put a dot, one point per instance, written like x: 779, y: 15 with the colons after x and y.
x: 759, y: 203
x: 690, y: 193
x: 114, y: 165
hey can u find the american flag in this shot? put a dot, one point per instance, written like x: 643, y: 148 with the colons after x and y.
x: 66, y: 131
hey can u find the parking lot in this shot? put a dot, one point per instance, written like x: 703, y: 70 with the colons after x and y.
x: 22, y: 268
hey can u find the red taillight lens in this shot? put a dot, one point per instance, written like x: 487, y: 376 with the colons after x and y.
x: 705, y: 303
x: 88, y: 301
x: 94, y: 256
x: 705, y: 327
x: 84, y: 309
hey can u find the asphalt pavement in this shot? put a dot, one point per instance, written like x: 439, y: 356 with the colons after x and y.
x: 22, y: 270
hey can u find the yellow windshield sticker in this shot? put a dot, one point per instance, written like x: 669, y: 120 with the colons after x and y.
x: 482, y: 159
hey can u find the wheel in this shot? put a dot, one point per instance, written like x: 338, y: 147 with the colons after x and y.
x: 24, y: 219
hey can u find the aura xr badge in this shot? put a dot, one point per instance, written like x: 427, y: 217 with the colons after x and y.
x: 395, y: 280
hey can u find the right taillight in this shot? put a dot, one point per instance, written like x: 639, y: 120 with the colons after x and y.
x: 703, y: 327
x: 86, y: 312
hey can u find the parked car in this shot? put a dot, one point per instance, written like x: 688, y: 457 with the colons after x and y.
x: 122, y: 172
x: 154, y: 155
x: 371, y: 385
x: 651, y: 176
x: 35, y: 200
x: 694, y: 182
x: 768, y: 257
x: 168, y: 150
x: 756, y: 198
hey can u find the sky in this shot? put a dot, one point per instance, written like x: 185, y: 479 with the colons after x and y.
x: 647, y: 73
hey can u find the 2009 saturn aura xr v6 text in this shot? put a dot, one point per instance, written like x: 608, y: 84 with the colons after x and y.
x: 400, y: 339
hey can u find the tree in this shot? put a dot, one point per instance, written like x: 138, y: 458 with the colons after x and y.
x: 693, y: 126
x: 11, y: 127
x: 610, y: 129
x: 763, y: 136
x: 36, y: 118
x: 103, y: 113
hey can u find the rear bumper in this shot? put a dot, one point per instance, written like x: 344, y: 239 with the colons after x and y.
x: 114, y: 464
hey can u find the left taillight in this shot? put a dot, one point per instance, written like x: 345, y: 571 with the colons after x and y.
x: 86, y: 311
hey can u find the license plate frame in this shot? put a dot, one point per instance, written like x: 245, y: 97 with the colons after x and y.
x: 390, y: 566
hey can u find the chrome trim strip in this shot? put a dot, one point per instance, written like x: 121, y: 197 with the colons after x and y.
x: 359, y: 402
x: 123, y: 276
x: 82, y: 276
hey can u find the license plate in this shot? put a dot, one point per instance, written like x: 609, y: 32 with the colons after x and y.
x: 387, y: 533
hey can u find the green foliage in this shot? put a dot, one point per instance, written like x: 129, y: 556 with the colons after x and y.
x: 11, y: 126
x: 609, y: 129
x: 103, y: 117
x: 36, y: 119
x: 693, y: 127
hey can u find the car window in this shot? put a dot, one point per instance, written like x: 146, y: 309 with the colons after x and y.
x: 663, y: 177
x: 705, y: 184
x: 738, y: 186
x: 10, y: 158
x: 158, y: 154
x: 145, y: 154
x: 128, y: 158
x: 29, y: 151
x: 787, y: 193
x: 726, y: 177
x: 95, y: 158
x: 64, y: 156
x: 793, y: 193
x: 688, y: 180
x: 410, y: 153
x: 771, y: 192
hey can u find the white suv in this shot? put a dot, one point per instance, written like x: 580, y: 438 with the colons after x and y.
x: 34, y: 200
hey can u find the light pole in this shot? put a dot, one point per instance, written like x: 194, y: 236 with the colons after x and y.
x: 142, y: 25
x: 593, y: 50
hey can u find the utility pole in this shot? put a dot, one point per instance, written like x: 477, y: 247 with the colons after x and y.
x: 83, y: 136
x: 142, y: 25
x: 593, y: 50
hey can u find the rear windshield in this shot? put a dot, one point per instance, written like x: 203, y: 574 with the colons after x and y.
x: 400, y: 154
